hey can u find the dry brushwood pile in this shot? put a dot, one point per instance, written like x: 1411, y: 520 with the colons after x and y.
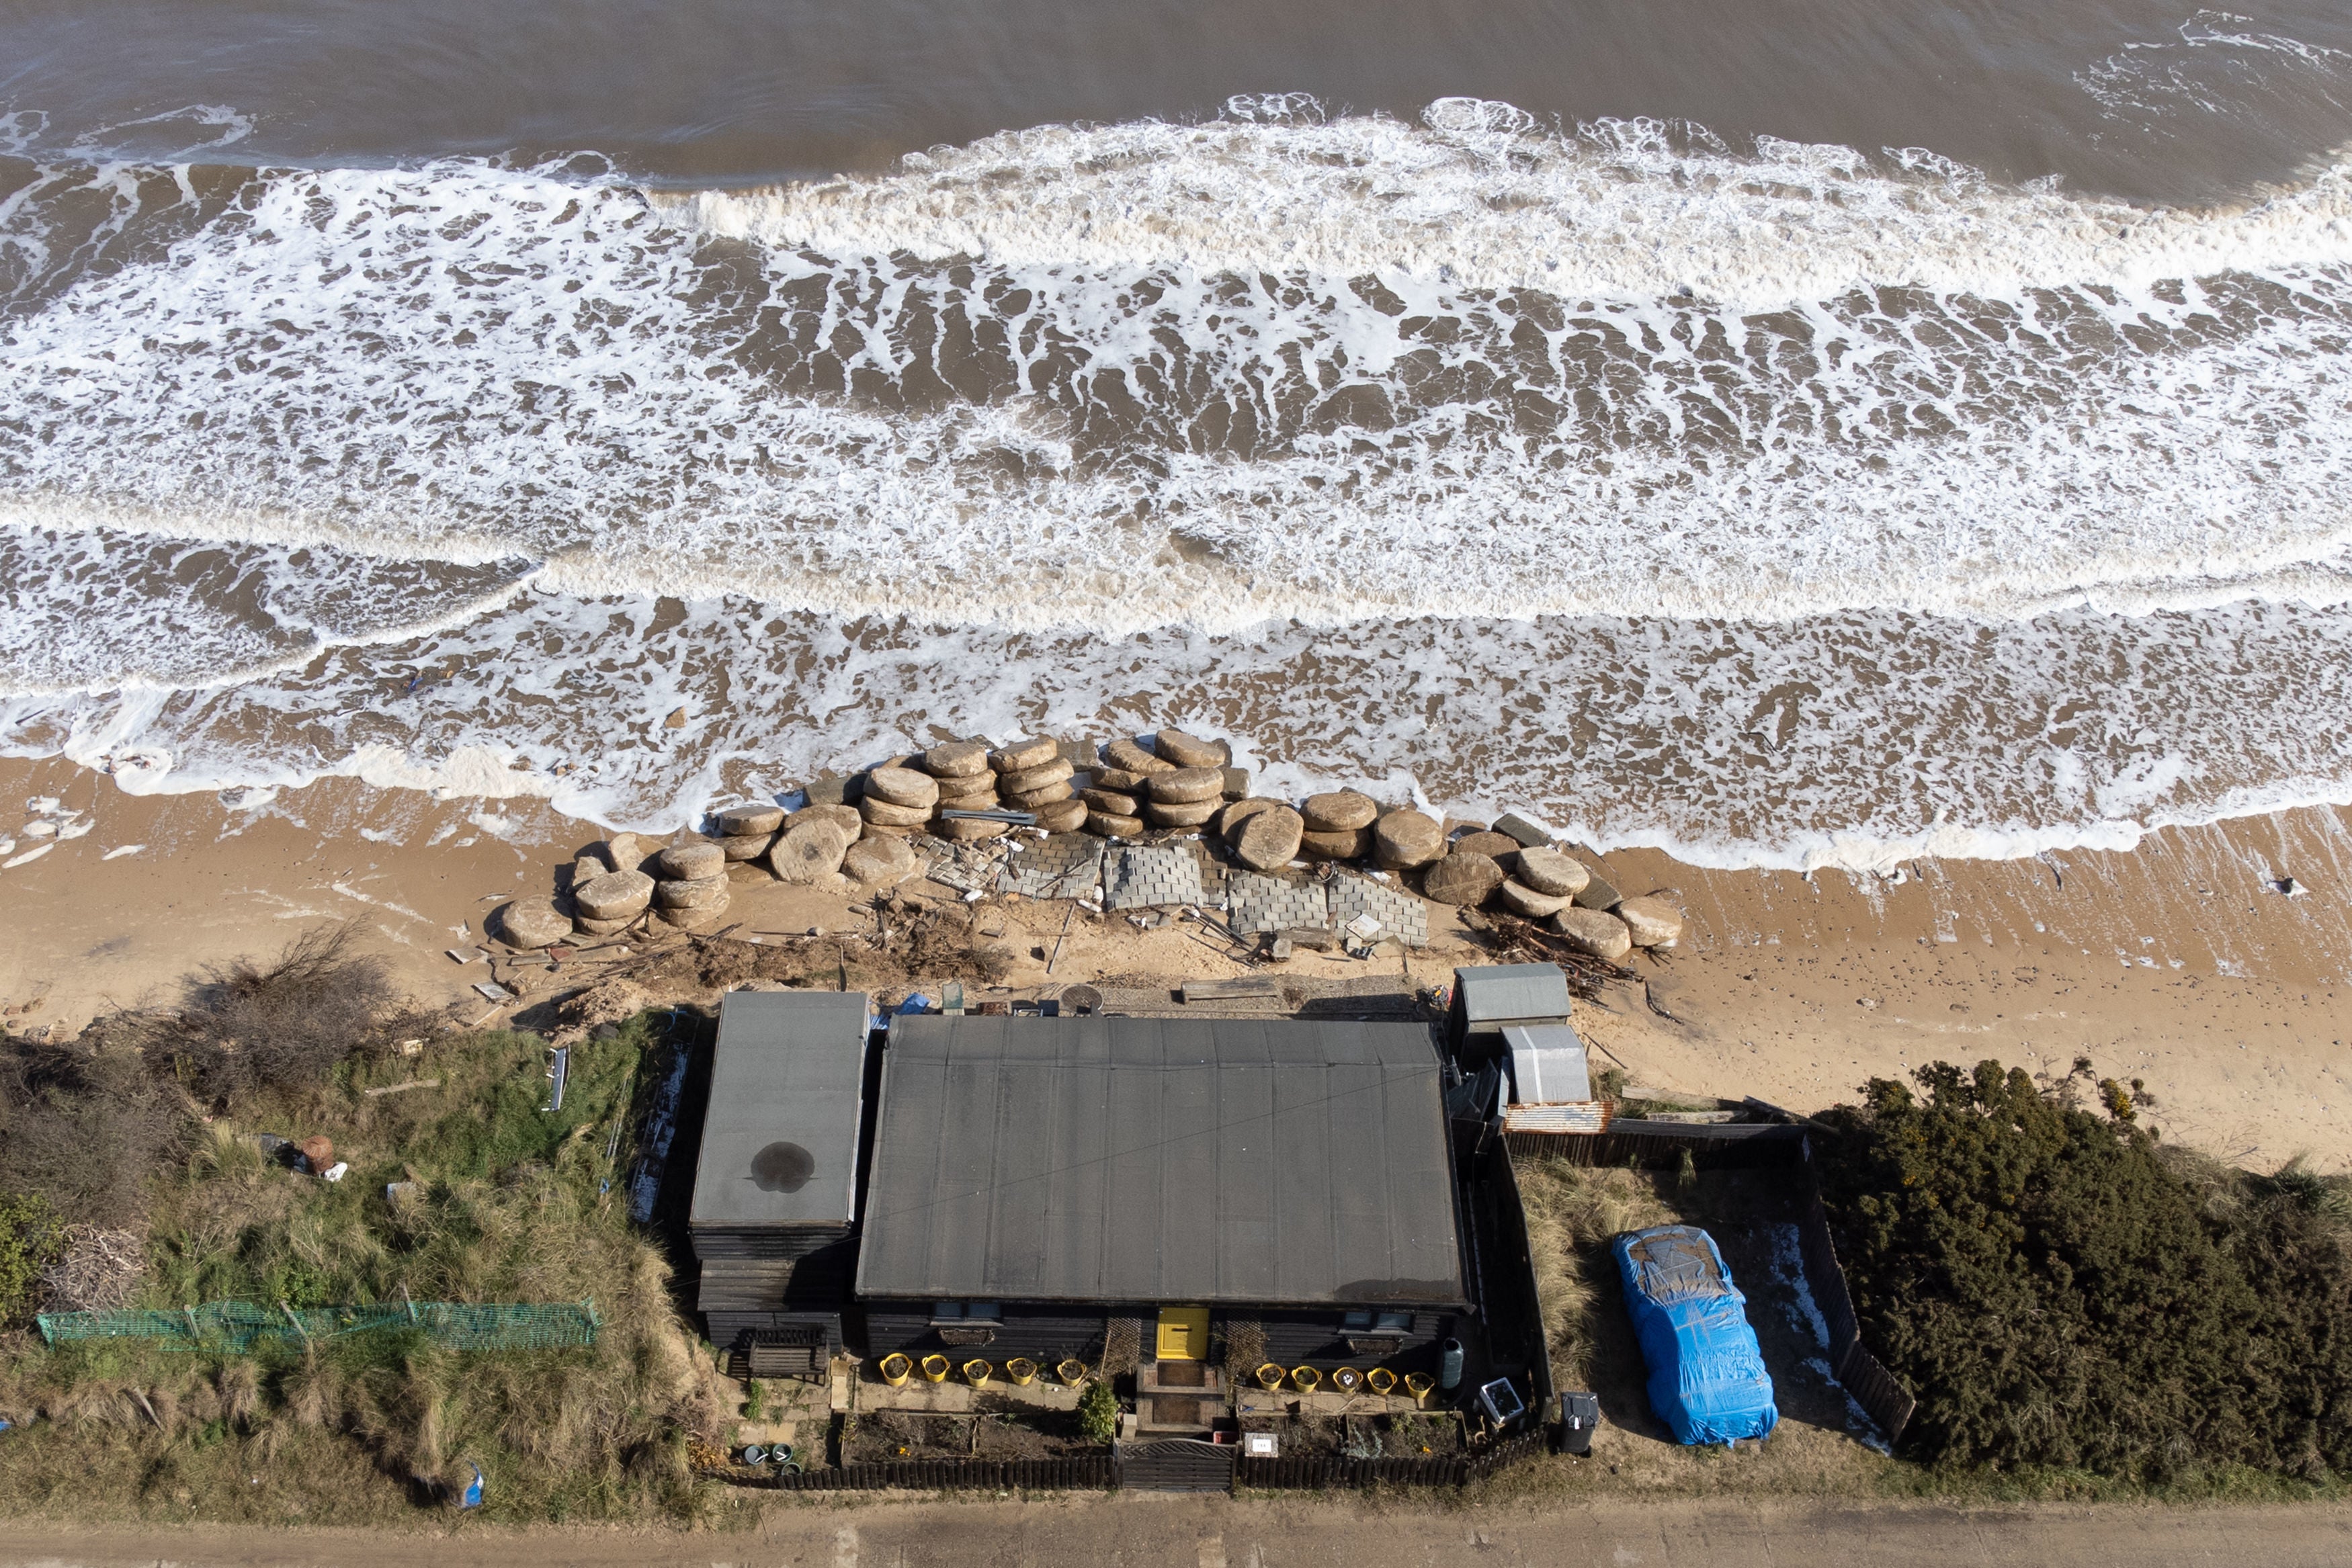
x: 2060, y: 1291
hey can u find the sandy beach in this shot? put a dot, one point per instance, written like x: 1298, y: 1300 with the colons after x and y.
x: 2180, y: 962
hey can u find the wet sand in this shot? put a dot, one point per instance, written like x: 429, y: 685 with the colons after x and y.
x: 2177, y: 963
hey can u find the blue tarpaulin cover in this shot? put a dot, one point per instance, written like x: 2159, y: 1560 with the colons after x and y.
x: 1707, y: 1373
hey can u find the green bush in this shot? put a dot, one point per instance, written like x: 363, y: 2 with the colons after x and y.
x: 1098, y: 1413
x: 2058, y: 1290
x: 30, y: 1236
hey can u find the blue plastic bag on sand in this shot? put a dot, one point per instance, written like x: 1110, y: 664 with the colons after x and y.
x: 1706, y: 1372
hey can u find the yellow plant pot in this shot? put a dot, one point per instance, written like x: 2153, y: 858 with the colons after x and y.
x: 935, y: 1369
x: 1346, y: 1380
x: 977, y: 1373
x: 1380, y: 1380
x: 1305, y: 1379
x: 1420, y: 1385
x: 1270, y: 1376
x: 1071, y: 1373
x: 895, y: 1369
x: 1023, y: 1371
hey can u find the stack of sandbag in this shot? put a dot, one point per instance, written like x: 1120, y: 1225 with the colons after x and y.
x: 690, y: 885
x: 609, y: 890
x: 746, y: 833
x: 1032, y: 776
x: 966, y: 780
x: 897, y: 800
x: 1178, y: 780
x: 811, y: 843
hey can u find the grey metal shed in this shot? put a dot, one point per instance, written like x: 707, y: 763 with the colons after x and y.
x: 1488, y: 1000
x: 1268, y: 1162
x: 1547, y: 1065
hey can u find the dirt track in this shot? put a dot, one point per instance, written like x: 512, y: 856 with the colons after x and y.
x: 1193, y: 1533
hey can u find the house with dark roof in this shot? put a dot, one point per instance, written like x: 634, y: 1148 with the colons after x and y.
x: 1042, y: 1185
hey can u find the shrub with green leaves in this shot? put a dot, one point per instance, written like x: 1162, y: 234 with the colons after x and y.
x: 30, y: 1237
x: 1098, y: 1413
x: 2059, y: 1291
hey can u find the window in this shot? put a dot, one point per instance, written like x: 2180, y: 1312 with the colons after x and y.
x: 966, y: 1311
x: 1357, y: 1322
x: 1392, y: 1322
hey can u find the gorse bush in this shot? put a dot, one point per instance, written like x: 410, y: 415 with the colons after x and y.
x: 2058, y: 1290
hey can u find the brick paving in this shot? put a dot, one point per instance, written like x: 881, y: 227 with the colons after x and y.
x: 1401, y: 915
x: 1257, y: 903
x: 1141, y: 876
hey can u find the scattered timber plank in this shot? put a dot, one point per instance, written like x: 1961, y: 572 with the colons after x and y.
x: 1247, y: 985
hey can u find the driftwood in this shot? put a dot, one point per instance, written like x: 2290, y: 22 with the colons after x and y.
x: 1523, y: 941
x: 96, y: 1272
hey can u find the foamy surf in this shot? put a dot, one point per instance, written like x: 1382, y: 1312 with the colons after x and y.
x: 1940, y: 518
x: 1482, y: 195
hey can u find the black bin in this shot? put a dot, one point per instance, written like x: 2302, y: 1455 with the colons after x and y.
x: 1578, y: 1415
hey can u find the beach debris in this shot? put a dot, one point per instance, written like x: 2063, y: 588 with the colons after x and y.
x: 2289, y: 886
x: 28, y: 856
x: 314, y: 1154
x: 335, y: 1172
x: 1595, y: 932
x: 492, y: 991
x: 457, y: 957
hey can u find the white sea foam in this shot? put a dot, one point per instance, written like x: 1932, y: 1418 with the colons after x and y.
x: 1393, y: 450
x: 1481, y: 196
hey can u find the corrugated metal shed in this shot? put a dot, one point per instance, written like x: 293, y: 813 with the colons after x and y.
x: 780, y: 1141
x: 1510, y: 993
x: 1547, y: 1065
x: 1132, y: 1159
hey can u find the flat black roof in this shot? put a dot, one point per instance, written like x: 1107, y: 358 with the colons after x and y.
x: 1128, y: 1159
x: 780, y: 1140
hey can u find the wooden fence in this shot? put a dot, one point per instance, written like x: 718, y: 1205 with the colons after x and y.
x: 1078, y: 1471
x: 1730, y: 1146
x: 1321, y: 1472
x: 1100, y: 1472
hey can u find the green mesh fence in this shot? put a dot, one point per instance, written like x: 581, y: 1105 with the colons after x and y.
x: 235, y: 1327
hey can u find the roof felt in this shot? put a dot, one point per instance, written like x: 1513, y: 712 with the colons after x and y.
x: 780, y: 1142
x: 1512, y: 991
x: 1125, y: 1159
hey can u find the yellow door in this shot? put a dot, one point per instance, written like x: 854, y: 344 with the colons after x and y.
x: 1184, y: 1333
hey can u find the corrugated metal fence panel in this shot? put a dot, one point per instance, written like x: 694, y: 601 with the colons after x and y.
x: 1881, y: 1395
